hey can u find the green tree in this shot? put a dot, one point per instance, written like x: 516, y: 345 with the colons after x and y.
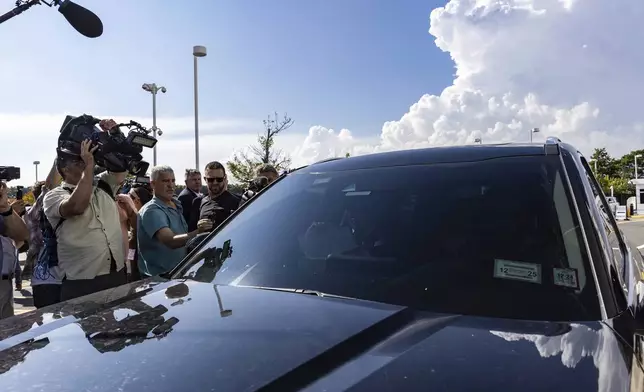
x: 243, y: 164
x: 621, y: 186
x: 627, y: 164
x: 605, y: 164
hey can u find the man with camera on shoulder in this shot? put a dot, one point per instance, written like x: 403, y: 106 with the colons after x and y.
x: 84, y: 215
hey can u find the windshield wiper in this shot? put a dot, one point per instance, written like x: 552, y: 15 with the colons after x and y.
x: 299, y: 291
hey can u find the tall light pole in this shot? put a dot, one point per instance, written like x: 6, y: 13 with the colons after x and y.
x: 532, y: 131
x: 36, y: 163
x: 636, y: 187
x: 594, y: 161
x: 197, y: 51
x: 153, y: 89
x: 636, y: 156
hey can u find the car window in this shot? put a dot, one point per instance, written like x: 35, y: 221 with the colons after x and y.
x: 496, y: 238
x: 615, y: 241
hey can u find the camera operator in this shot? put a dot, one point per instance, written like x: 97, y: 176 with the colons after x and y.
x: 219, y: 203
x: 266, y: 174
x: 268, y: 171
x: 90, y: 240
x: 13, y: 228
x: 162, y: 231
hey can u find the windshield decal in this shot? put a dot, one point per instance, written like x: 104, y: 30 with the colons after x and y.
x: 526, y: 272
x: 566, y: 277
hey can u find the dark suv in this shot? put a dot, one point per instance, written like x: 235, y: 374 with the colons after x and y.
x: 462, y: 268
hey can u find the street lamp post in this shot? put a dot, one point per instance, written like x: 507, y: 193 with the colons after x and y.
x: 197, y: 51
x: 153, y: 89
x: 532, y: 131
x: 636, y: 156
x: 36, y: 163
x: 594, y: 161
x: 635, y: 182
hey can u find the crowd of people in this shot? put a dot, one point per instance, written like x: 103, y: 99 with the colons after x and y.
x: 86, y: 233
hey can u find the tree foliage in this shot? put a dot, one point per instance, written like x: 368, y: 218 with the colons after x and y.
x: 243, y: 164
x: 616, y: 172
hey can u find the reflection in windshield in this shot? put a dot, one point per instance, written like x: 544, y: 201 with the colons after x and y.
x: 106, y: 331
x: 17, y: 354
x: 109, y: 333
x: 453, y: 238
x: 580, y: 342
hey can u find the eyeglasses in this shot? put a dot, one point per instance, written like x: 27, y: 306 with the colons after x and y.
x: 213, y: 179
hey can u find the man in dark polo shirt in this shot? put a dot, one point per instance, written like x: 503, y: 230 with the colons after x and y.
x: 219, y: 203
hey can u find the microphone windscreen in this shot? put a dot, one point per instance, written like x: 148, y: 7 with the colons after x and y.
x: 83, y: 20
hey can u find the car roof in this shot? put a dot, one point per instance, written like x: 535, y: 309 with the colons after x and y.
x: 433, y: 155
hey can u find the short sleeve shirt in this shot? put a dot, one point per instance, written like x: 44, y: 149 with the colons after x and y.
x: 87, y: 242
x: 154, y: 257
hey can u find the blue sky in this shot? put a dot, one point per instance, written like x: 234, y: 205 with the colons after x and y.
x: 341, y: 64
x: 345, y: 64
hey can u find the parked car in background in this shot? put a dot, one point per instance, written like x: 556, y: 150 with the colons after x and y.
x: 402, y: 271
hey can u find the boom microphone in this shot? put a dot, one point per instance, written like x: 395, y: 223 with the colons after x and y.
x: 83, y: 20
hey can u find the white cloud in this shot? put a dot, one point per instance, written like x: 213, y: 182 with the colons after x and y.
x: 30, y: 137
x: 571, y: 68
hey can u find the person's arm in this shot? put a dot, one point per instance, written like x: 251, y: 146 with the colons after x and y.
x: 52, y: 181
x: 154, y: 222
x: 12, y: 224
x: 114, y: 180
x: 78, y: 202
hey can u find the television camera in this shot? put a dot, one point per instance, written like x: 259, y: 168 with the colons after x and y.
x: 136, y: 182
x: 254, y: 187
x: 9, y: 173
x: 116, y: 152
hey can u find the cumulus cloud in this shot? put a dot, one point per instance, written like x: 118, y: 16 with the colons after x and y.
x: 571, y: 68
x: 30, y: 137
x: 581, y: 342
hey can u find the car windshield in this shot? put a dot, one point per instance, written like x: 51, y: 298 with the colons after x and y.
x: 496, y: 238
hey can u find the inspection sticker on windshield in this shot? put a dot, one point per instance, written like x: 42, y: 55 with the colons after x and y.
x: 516, y: 270
x: 566, y: 277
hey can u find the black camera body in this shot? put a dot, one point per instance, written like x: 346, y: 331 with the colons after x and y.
x: 257, y: 184
x: 254, y: 187
x: 116, y: 152
x: 9, y: 173
x: 139, y: 181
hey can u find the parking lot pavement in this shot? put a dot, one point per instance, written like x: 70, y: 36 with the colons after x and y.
x: 634, y: 232
x: 22, y: 300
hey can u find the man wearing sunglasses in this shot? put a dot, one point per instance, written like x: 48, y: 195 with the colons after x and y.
x: 219, y: 203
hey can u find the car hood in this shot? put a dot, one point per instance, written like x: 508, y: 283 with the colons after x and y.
x: 185, y: 335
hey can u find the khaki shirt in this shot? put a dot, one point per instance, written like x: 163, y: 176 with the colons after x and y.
x: 86, y: 242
